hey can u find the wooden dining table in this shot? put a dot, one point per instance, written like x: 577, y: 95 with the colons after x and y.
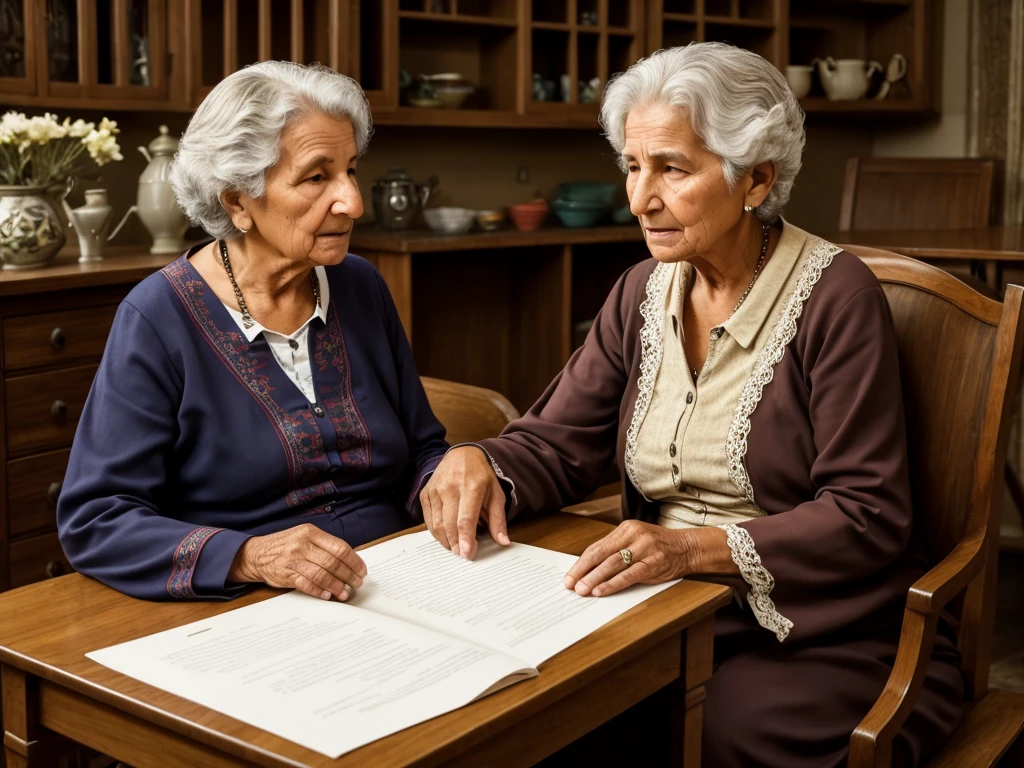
x: 988, y: 249
x: 50, y: 687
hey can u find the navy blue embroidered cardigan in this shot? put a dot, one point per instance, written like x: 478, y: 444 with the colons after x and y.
x: 193, y: 439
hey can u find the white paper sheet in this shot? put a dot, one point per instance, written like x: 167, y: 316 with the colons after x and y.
x: 325, y: 675
x: 510, y: 599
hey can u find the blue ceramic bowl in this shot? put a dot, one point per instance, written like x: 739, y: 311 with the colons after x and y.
x: 579, y: 215
x: 588, y: 192
x: 623, y: 215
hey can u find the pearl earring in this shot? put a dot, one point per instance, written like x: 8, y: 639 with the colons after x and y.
x: 748, y: 208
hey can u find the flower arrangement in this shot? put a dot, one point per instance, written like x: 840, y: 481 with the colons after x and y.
x: 40, y: 151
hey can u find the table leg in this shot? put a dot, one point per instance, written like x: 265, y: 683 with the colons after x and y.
x: 23, y: 745
x: 993, y: 276
x: 688, y: 694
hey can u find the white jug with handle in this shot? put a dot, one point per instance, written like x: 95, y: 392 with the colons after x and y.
x: 846, y: 79
x: 92, y: 222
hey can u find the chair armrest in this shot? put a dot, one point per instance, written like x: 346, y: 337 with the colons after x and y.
x: 931, y: 592
x: 871, y: 742
x: 608, y: 509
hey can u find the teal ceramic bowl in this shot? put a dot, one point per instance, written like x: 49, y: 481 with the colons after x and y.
x: 623, y: 215
x: 579, y: 214
x: 588, y: 192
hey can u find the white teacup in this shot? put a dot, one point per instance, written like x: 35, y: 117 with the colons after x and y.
x: 799, y: 77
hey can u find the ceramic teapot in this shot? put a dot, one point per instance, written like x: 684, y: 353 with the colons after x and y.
x: 92, y: 222
x: 846, y: 79
x: 157, y: 206
x: 397, y: 199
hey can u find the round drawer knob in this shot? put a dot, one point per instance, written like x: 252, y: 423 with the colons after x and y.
x: 59, y: 410
x: 57, y: 338
x: 54, y: 568
x: 53, y: 493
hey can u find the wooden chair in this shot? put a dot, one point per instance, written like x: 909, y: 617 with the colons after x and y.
x: 471, y: 413
x: 960, y: 356
x: 916, y: 193
x: 468, y: 413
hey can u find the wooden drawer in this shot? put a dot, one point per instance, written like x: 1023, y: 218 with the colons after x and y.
x: 56, y: 337
x: 36, y: 559
x: 33, y: 485
x: 43, y: 409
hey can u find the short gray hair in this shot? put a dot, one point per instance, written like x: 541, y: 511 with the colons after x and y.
x: 235, y: 135
x: 739, y: 105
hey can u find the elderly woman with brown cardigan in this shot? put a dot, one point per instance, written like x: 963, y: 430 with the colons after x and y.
x: 746, y: 381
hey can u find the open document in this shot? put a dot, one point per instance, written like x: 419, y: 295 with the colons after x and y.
x: 427, y: 633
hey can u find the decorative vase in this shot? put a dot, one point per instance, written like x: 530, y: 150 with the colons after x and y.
x: 31, y: 232
x: 157, y: 206
x: 92, y: 222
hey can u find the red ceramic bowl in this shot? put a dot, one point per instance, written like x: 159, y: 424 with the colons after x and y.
x: 529, y: 216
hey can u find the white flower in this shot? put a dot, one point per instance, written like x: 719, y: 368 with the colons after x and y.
x: 103, y: 148
x: 78, y: 129
x: 109, y: 125
x: 13, y: 126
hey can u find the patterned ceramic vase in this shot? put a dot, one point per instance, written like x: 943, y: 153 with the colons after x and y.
x: 31, y: 232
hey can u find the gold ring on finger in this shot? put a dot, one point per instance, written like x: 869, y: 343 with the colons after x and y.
x: 626, y: 555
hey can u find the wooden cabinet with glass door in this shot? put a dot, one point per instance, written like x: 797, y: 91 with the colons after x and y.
x: 222, y: 36
x: 103, y: 54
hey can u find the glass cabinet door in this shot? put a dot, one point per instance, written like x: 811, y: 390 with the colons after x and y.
x: 131, y: 49
x: 17, y: 47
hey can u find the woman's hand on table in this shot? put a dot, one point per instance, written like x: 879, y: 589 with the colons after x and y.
x: 462, y: 487
x: 657, y: 555
x: 303, y: 558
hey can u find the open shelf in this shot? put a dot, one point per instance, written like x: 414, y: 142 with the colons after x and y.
x: 734, y: 21
x: 459, y: 18
x: 557, y: 26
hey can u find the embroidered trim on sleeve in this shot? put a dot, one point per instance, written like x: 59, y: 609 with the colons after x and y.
x: 764, y: 369
x: 652, y: 347
x: 761, y: 582
x: 179, y: 583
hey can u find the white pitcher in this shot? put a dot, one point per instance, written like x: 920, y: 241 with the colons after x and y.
x: 846, y: 79
x: 157, y: 205
x: 92, y: 221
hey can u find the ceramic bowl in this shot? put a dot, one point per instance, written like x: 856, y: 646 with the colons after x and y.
x: 623, y: 215
x: 588, y: 192
x: 452, y: 88
x: 579, y: 214
x: 529, y: 216
x: 489, y: 221
x: 449, y: 220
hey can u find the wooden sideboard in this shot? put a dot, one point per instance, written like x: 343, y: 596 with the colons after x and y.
x: 53, y: 327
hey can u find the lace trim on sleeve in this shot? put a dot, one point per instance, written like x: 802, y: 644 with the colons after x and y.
x: 761, y: 582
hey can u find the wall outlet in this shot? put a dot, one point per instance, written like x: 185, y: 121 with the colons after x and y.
x: 523, y: 174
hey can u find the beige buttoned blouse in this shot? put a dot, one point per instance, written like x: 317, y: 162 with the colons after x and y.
x: 693, y: 432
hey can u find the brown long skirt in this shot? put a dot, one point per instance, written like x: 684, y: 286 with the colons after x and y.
x: 779, y: 705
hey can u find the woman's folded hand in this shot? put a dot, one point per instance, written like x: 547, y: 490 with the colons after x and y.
x: 463, y: 486
x: 303, y: 558
x: 656, y: 555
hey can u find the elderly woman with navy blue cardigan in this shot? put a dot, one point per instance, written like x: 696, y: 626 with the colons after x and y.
x: 257, y: 413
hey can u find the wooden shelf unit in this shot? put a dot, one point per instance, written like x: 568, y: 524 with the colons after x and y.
x: 497, y: 44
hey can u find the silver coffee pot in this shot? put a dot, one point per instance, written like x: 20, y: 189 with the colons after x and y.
x: 397, y: 199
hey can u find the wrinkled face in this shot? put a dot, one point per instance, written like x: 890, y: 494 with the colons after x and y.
x: 676, y: 187
x: 312, y: 195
